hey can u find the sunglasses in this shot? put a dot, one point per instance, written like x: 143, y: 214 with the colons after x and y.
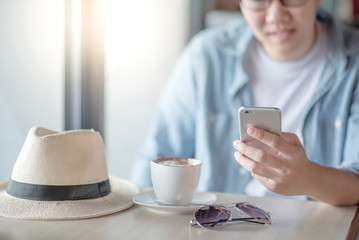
x: 214, y: 216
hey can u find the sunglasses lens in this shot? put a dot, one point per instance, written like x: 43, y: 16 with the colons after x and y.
x: 254, y: 211
x: 212, y: 216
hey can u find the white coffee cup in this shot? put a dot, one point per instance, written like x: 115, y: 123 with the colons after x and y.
x: 175, y: 180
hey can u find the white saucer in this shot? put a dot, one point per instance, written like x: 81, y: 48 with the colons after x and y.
x: 148, y: 199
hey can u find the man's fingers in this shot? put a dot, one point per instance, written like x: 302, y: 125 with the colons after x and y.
x: 272, y: 140
x: 259, y: 153
x: 253, y: 166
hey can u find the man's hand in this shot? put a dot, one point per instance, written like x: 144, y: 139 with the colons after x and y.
x: 284, y: 168
x: 281, y: 170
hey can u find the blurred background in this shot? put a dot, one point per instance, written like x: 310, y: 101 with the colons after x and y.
x: 101, y: 64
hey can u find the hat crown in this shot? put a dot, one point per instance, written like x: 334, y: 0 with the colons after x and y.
x: 68, y: 158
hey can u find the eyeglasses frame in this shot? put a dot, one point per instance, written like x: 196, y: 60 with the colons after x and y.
x: 268, y: 2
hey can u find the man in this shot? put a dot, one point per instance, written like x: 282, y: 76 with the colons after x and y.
x: 285, y: 54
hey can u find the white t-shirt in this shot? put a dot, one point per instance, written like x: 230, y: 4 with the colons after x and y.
x: 286, y: 85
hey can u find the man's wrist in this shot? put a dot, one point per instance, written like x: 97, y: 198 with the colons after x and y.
x: 311, y: 179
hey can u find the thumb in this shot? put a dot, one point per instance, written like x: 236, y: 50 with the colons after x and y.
x: 291, y: 138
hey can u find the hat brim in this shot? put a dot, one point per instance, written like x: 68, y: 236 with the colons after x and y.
x: 120, y: 198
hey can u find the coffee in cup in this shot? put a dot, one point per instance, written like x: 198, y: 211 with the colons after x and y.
x: 175, y: 180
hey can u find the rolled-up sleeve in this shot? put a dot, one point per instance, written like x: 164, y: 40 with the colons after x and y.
x: 351, y: 149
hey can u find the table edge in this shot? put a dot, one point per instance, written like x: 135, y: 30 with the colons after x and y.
x: 354, y: 226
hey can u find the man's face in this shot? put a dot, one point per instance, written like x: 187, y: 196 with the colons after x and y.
x: 286, y: 33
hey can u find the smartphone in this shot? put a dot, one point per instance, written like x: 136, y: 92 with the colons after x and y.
x: 266, y: 118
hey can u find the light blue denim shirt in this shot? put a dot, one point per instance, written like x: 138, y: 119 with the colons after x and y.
x: 197, y: 113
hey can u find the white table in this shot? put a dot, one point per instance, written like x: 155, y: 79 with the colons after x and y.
x: 292, y: 219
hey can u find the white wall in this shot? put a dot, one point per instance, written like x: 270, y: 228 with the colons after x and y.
x: 31, y: 72
x: 143, y: 40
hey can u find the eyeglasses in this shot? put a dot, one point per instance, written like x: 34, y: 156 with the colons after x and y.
x: 214, y: 216
x: 259, y: 5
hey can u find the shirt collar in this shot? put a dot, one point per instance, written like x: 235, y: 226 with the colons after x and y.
x: 235, y: 43
x: 341, y: 45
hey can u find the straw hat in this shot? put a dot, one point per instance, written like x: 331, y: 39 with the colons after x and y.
x: 60, y: 176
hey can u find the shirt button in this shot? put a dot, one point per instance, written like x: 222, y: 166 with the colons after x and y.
x: 338, y: 123
x: 212, y: 118
x: 242, y: 171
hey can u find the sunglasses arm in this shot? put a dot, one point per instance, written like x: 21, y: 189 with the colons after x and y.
x: 252, y: 220
x: 194, y: 222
